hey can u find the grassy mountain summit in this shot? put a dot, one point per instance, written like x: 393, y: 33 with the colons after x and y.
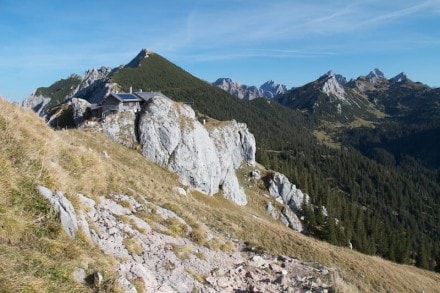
x: 154, y: 73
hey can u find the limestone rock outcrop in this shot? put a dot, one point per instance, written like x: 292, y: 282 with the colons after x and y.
x: 36, y: 102
x: 95, y: 85
x: 121, y: 127
x: 286, y: 192
x: 291, y: 197
x: 79, y: 109
x: 63, y: 207
x: 204, y: 157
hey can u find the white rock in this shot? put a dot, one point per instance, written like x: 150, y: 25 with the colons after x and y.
x: 293, y: 219
x: 37, y: 103
x: 256, y: 174
x: 180, y: 191
x: 286, y: 193
x: 79, y: 108
x: 171, y: 136
x: 79, y: 275
x: 271, y: 211
x: 63, y: 207
x: 121, y: 127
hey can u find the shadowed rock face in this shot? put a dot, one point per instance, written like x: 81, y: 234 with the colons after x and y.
x: 171, y: 136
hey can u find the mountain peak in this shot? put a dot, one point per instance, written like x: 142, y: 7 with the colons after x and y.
x: 401, y: 77
x: 375, y: 73
x: 337, y: 77
x: 136, y: 62
x: 269, y: 89
x: 223, y: 80
x: 269, y: 83
x: 332, y: 87
x: 330, y: 73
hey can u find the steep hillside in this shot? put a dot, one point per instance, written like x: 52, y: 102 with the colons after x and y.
x: 38, y: 256
x: 312, y: 149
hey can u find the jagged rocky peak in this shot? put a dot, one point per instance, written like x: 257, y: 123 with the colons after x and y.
x: 375, y: 74
x: 269, y: 89
x: 338, y: 77
x: 334, y: 85
x: 234, y: 88
x: 375, y: 80
x: 136, y: 62
x: 92, y: 75
x: 401, y: 77
x: 226, y: 83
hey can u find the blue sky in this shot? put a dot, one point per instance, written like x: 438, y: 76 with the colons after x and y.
x: 291, y: 42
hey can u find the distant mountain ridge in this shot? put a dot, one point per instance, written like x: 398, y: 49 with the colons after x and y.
x: 270, y: 89
x: 332, y: 97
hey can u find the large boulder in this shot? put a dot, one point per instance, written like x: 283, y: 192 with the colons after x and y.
x: 63, y: 208
x: 171, y: 136
x: 79, y: 110
x: 286, y: 192
x: 292, y: 219
x: 291, y: 197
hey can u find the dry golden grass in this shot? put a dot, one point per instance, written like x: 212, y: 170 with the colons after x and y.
x: 35, y: 253
x: 37, y: 256
x: 133, y: 246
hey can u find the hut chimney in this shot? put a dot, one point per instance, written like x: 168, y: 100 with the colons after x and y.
x: 131, y: 89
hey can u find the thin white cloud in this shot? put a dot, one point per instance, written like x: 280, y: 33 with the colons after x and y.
x: 398, y: 14
x: 209, y: 55
x: 284, y: 21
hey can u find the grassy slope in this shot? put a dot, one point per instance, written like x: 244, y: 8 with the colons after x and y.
x: 37, y: 256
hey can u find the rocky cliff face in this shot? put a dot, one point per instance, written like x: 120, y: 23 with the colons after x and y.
x: 92, y: 87
x: 171, y: 136
x: 36, y: 102
x: 95, y: 85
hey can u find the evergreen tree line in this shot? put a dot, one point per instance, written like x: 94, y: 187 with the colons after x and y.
x: 388, y: 211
